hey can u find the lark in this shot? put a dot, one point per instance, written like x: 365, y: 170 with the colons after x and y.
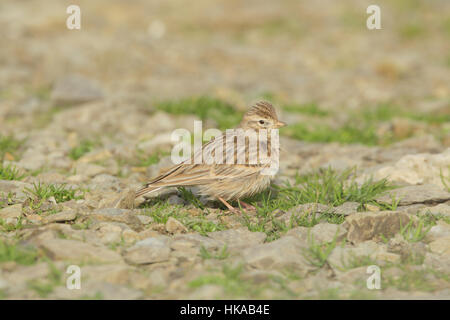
x: 242, y: 169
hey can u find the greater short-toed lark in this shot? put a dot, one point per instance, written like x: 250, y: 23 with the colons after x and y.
x: 232, y: 178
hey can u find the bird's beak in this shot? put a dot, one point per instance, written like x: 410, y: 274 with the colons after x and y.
x: 280, y: 124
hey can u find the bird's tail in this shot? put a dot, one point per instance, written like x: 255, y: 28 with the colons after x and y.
x: 145, y: 190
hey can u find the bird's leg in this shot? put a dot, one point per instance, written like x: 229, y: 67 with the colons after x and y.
x: 229, y: 206
x: 247, y: 206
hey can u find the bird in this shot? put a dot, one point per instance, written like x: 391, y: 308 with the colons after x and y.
x: 237, y: 175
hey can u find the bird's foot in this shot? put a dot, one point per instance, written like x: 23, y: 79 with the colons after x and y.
x: 229, y: 206
x: 247, y: 206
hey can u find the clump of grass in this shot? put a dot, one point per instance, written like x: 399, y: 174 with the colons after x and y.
x: 160, y: 211
x: 8, y: 144
x: 364, y: 133
x: 205, y: 108
x: 445, y: 180
x: 148, y: 160
x: 413, y: 233
x: 19, y: 254
x: 84, y: 147
x: 10, y: 172
x: 60, y: 192
x: 317, y: 254
x: 326, y: 187
x: 44, y: 287
x: 331, y: 188
x: 223, y: 254
x: 188, y: 196
x: 415, y: 279
x: 229, y: 279
x: 11, y: 227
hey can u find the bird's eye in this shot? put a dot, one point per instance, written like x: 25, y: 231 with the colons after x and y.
x: 261, y: 122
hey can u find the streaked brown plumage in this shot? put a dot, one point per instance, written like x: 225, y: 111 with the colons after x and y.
x: 226, y: 181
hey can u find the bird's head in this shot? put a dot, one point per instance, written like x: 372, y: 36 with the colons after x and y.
x: 262, y: 115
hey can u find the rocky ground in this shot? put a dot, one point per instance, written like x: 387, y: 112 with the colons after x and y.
x: 86, y: 117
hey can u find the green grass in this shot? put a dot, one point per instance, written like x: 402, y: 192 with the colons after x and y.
x: 60, y: 192
x: 229, y: 279
x: 19, y: 254
x: 148, y: 160
x: 346, y: 134
x: 415, y: 233
x: 206, y: 108
x: 8, y: 144
x: 361, y: 126
x: 318, y: 253
x: 160, y: 211
x: 325, y: 186
x: 84, y: 147
x: 445, y: 180
x: 415, y: 280
x: 222, y: 254
x: 10, y: 172
x: 43, y: 287
x: 9, y: 227
x: 188, y: 196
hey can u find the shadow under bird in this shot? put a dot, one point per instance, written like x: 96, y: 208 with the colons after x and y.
x: 230, y: 179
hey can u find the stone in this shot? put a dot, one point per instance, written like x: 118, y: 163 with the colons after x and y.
x: 282, y: 254
x: 77, y: 251
x: 89, y: 169
x: 12, y: 211
x: 308, y: 208
x: 427, y: 193
x: 440, y: 230
x: 174, y: 226
x: 441, y: 209
x: 109, y: 232
x: 363, y: 226
x: 7, y: 186
x: 347, y: 208
x: 441, y: 246
x: 344, y: 257
x: 417, y: 169
x: 122, y: 200
x: 130, y: 236
x: 238, y: 238
x: 327, y: 232
x: 63, y: 216
x: 301, y: 233
x: 75, y: 89
x: 195, y: 241
x: 147, y: 251
x: 144, y: 219
x: 118, y: 215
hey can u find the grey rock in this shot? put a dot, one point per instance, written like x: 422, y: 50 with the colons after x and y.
x: 194, y: 240
x: 118, y: 215
x: 68, y: 215
x: 327, y: 232
x: 77, y: 251
x: 347, y: 208
x: 427, y: 193
x: 281, y: 254
x: 238, y: 238
x: 76, y: 89
x: 147, y: 251
x: 12, y: 211
x: 175, y: 226
x: 363, y: 226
